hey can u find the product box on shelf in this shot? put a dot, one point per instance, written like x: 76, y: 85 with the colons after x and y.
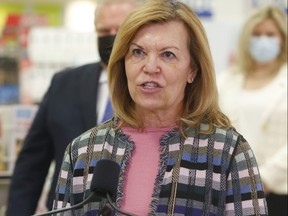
x: 15, y: 121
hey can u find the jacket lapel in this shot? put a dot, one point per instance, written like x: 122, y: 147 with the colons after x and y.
x: 88, y: 86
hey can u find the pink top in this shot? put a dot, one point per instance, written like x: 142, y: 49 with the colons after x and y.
x: 142, y: 170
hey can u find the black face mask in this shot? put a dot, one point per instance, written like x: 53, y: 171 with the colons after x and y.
x: 105, y: 44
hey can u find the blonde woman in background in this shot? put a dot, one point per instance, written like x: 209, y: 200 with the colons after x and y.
x: 254, y: 96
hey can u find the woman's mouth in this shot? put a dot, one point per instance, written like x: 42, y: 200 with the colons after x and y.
x: 150, y: 85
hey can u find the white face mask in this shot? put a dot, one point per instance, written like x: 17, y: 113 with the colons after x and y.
x: 264, y: 49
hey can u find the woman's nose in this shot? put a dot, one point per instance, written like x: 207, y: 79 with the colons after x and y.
x: 113, y: 31
x: 151, y: 64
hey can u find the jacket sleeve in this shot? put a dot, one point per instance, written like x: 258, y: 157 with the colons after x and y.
x: 274, y: 169
x: 70, y: 188
x: 32, y: 166
x: 64, y: 185
x: 245, y: 195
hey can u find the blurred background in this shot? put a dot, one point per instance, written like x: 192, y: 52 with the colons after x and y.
x: 39, y: 38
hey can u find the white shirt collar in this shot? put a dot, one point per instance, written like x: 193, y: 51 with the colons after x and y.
x: 103, y: 76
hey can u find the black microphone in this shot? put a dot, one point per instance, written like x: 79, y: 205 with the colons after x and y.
x: 105, y: 185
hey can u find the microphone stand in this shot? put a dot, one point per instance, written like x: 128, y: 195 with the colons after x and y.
x: 67, y: 209
x: 83, y: 203
x: 116, y: 208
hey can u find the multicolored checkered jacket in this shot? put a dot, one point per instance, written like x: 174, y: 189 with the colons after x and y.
x: 214, y: 174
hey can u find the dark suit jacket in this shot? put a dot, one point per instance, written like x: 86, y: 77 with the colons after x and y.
x: 67, y: 109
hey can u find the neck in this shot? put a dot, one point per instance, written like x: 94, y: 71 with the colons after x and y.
x: 263, y: 71
x: 261, y: 75
x: 159, y: 120
x: 103, y: 65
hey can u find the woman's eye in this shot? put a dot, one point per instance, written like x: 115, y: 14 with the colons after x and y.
x: 271, y: 34
x: 137, y: 52
x: 168, y: 55
x: 256, y: 34
x: 267, y: 34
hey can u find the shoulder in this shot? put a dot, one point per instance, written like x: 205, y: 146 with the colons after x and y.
x: 221, y: 144
x: 279, y: 83
x: 231, y: 145
x: 96, y: 136
x: 72, y: 77
x: 82, y: 70
x: 283, y: 72
x: 228, y: 137
x: 229, y: 80
x: 229, y: 74
x: 233, y: 142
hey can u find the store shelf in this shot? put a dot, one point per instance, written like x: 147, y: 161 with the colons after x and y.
x: 60, y: 2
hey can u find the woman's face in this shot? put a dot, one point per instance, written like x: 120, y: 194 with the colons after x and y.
x: 265, y: 42
x: 267, y: 28
x: 158, y: 68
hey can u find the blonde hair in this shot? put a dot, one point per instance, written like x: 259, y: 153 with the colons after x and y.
x: 201, y: 97
x: 274, y: 13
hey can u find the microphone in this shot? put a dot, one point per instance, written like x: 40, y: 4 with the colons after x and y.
x: 104, y: 184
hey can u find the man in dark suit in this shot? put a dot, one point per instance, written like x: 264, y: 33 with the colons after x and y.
x: 70, y: 106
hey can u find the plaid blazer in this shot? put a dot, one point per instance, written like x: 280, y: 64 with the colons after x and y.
x: 214, y: 174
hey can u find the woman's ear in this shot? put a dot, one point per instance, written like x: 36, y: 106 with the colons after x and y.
x: 192, y: 75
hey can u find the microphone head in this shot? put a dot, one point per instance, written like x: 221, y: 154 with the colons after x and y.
x: 105, y: 179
